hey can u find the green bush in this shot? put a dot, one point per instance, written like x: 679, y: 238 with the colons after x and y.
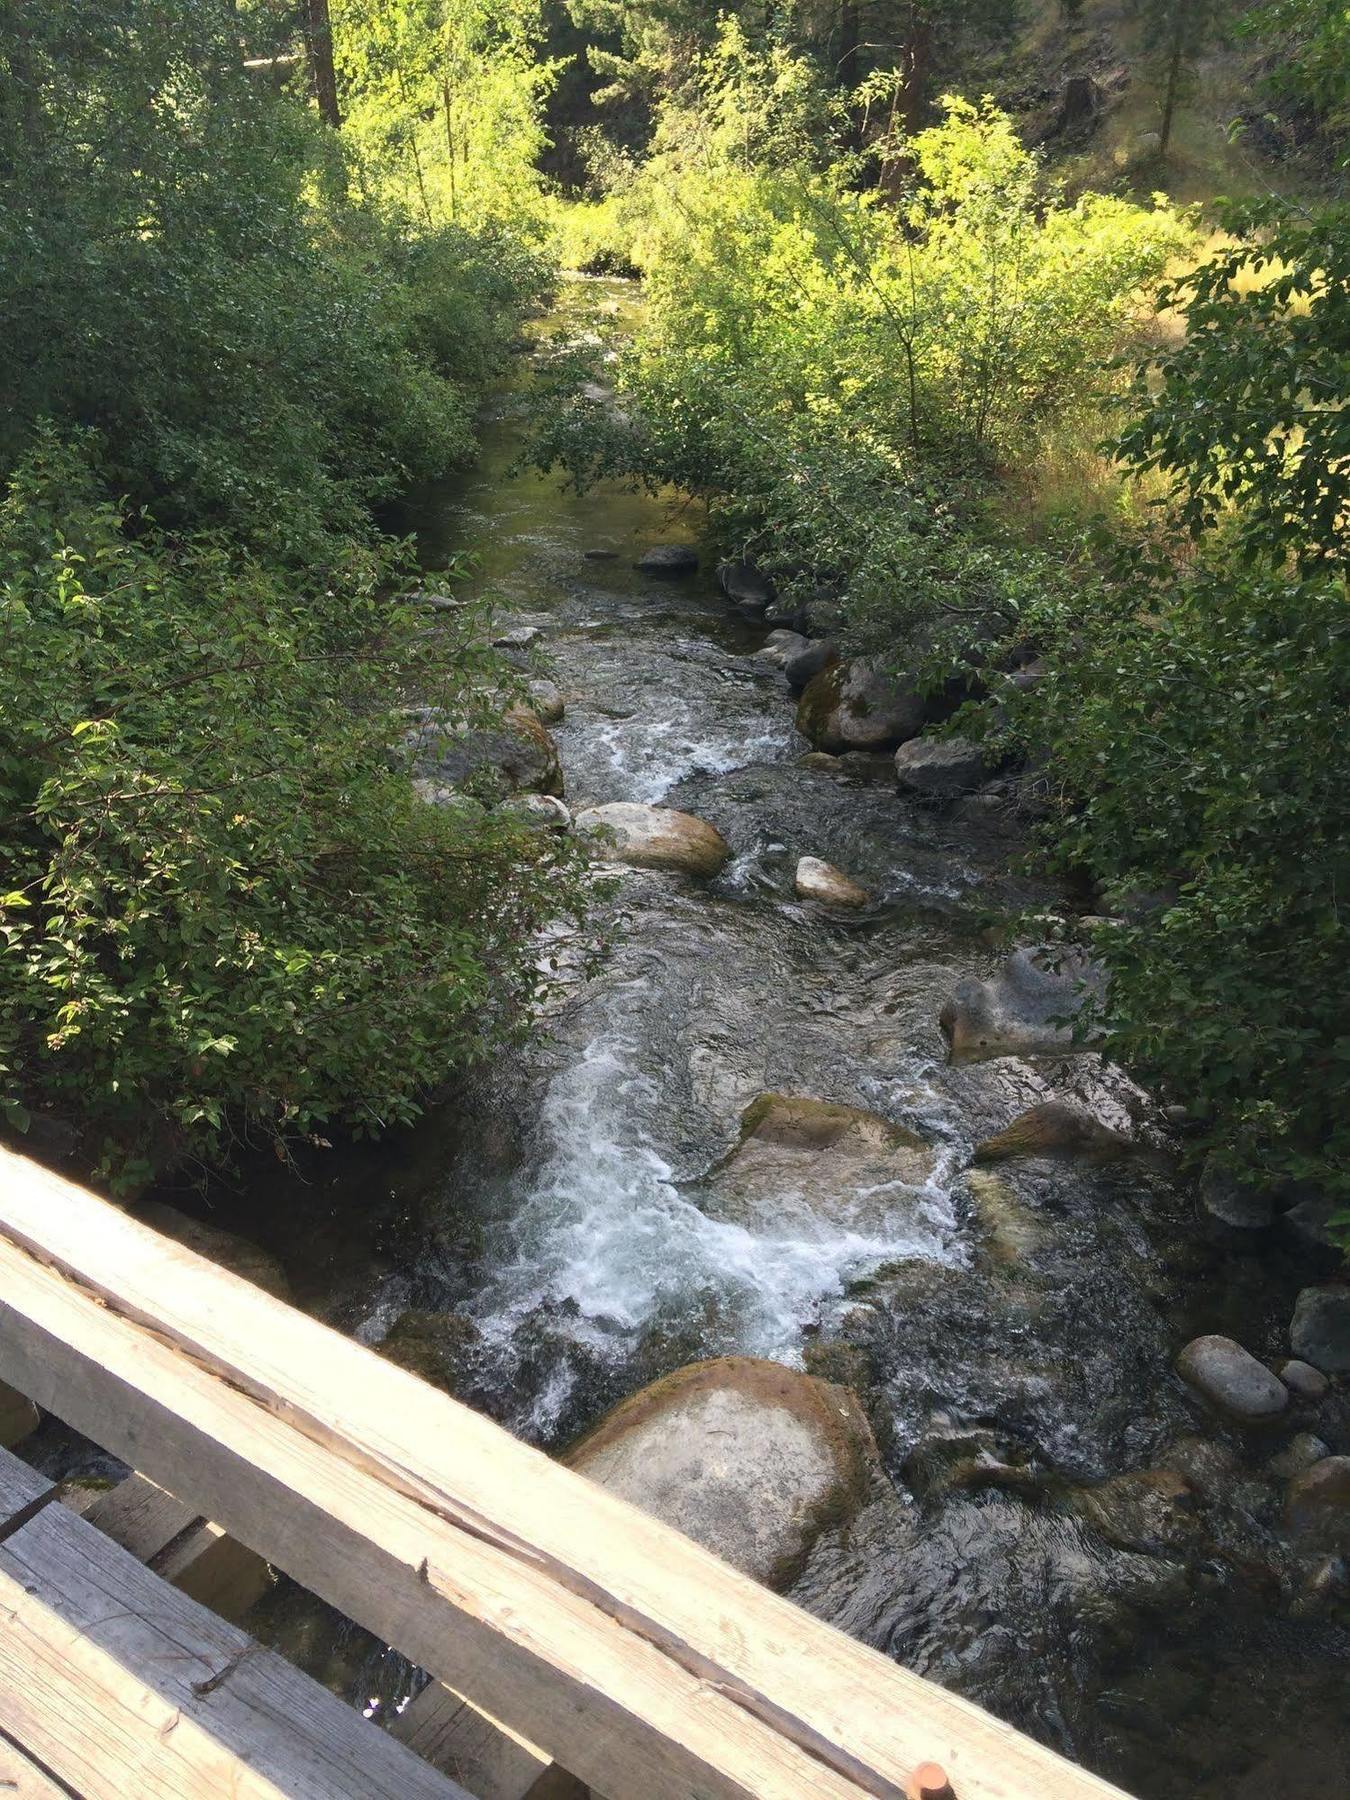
x: 225, y: 910
x: 185, y: 271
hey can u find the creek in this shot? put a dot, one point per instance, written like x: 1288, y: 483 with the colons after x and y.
x: 1012, y: 1339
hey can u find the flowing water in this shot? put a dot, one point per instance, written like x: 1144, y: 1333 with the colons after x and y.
x: 1024, y: 1329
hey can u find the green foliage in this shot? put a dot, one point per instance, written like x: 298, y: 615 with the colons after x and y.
x: 1248, y: 420
x: 845, y: 383
x: 1194, y: 719
x: 183, y: 270
x: 224, y: 909
x: 1313, y: 61
x: 444, y: 98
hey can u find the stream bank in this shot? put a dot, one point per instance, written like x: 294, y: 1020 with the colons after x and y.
x: 1067, y: 1534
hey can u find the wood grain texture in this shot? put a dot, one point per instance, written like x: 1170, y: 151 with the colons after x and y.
x: 122, y: 1687
x: 22, y: 1779
x: 491, y: 1760
x: 183, y: 1548
x: 629, y: 1654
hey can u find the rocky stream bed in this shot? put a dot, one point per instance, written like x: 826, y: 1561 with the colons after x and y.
x: 750, y: 1137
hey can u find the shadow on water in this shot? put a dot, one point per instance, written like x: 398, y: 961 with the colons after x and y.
x: 1013, y: 1338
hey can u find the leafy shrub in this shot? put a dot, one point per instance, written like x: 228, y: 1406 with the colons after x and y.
x: 224, y: 909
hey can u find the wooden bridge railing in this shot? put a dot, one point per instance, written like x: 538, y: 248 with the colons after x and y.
x: 637, y: 1660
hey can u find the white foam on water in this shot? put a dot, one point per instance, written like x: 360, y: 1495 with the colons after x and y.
x: 606, y: 1242
x: 646, y: 758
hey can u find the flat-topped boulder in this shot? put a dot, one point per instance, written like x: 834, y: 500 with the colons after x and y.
x: 669, y: 560
x: 1026, y: 1008
x: 841, y: 1163
x: 940, y: 769
x: 655, y: 837
x: 747, y: 1457
x: 1055, y: 1128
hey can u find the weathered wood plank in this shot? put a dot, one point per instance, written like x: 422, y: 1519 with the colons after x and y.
x: 490, y: 1759
x: 22, y: 1779
x: 183, y: 1548
x: 18, y: 1416
x: 122, y: 1686
x: 629, y: 1654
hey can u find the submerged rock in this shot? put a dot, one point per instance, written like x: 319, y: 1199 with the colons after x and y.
x: 669, y: 560
x: 834, y: 1160
x: 817, y: 880
x: 656, y: 837
x: 1153, y: 1510
x: 240, y: 1255
x: 1317, y: 1506
x: 849, y: 707
x: 517, y: 755
x: 1320, y: 1331
x: 750, y: 1459
x: 1026, y: 1009
x: 1054, y: 1128
x: 1300, y: 1453
x: 1230, y: 1378
x: 433, y: 1345
x: 940, y: 769
x: 746, y: 585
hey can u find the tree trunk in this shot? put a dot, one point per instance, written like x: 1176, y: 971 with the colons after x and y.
x: 323, y: 76
x: 1174, y: 59
x: 917, y: 55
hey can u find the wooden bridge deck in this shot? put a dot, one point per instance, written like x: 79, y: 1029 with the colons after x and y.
x: 611, y: 1645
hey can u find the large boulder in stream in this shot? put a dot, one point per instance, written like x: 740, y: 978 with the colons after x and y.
x: 750, y: 1459
x: 1027, y: 1008
x: 847, y: 706
x: 655, y: 837
x: 238, y: 1254
x: 669, y: 561
x: 515, y: 755
x: 1055, y: 1128
x: 837, y: 1163
x: 1320, y: 1330
x: 1232, y: 1380
x: 746, y: 584
x: 940, y: 769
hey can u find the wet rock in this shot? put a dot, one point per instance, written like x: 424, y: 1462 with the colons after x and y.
x: 849, y: 707
x: 1300, y: 1453
x: 822, y: 760
x: 817, y: 880
x: 1054, y: 1128
x: 538, y: 809
x: 1012, y: 1231
x: 1317, y: 1506
x: 520, y: 637
x: 1152, y: 1510
x: 600, y: 555
x: 940, y: 769
x: 750, y: 1459
x: 867, y: 768
x: 1230, y: 1378
x: 434, y: 1345
x: 961, y: 1459
x: 780, y: 646
x: 746, y: 585
x: 1026, y: 1009
x: 1209, y: 1465
x: 817, y: 654
x: 544, y: 699
x: 238, y: 1254
x: 1234, y: 1202
x: 669, y: 560
x: 656, y: 837
x: 515, y: 756
x: 1320, y: 1331
x: 1302, y: 1379
x: 839, y: 1163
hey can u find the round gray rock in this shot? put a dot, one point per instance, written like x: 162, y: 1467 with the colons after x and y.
x: 745, y: 584
x: 1234, y: 1202
x: 850, y: 707
x: 939, y: 769
x: 746, y: 1457
x: 1231, y: 1379
x: 1302, y: 1379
